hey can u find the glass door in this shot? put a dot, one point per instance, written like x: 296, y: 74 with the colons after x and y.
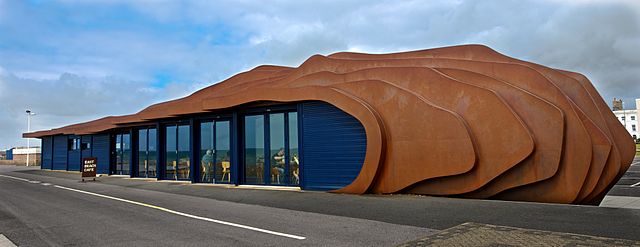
x: 215, y: 151
x: 271, y: 142
x: 122, y: 154
x: 254, y: 149
x: 147, y: 153
x: 177, y: 149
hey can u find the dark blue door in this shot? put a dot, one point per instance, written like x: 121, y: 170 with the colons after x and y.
x: 60, y: 152
x: 85, y: 147
x: 333, y: 146
x: 47, y: 152
x: 73, y: 158
x: 100, y: 149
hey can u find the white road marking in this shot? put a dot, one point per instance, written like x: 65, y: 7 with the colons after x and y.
x: 16, y: 178
x: 634, y: 185
x: 633, y: 164
x: 185, y: 214
x: 169, y: 210
x: 46, y: 184
x: 5, y: 242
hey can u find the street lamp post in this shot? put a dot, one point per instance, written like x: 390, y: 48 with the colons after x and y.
x: 29, y: 114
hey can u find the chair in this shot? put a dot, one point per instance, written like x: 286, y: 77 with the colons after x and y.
x: 275, y: 172
x: 260, y: 169
x: 146, y: 168
x: 296, y: 169
x: 226, y: 170
x: 206, y: 171
x: 175, y: 171
x: 188, y: 172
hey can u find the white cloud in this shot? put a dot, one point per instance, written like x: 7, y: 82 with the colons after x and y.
x: 70, y: 99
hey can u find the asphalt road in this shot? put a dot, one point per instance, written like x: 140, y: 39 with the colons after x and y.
x: 34, y: 212
x: 629, y: 184
x: 44, y: 212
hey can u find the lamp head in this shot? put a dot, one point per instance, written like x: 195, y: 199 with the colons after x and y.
x: 28, y: 111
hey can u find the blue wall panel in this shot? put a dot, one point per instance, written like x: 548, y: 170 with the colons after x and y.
x: 60, y: 152
x: 47, y: 152
x: 100, y: 150
x: 333, y: 146
x: 10, y: 154
x: 73, y: 158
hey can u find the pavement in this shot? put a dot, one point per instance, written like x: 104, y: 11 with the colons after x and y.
x: 626, y: 193
x: 50, y: 208
x: 475, y: 234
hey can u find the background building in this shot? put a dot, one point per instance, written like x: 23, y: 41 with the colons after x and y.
x: 628, y: 118
x: 19, y: 154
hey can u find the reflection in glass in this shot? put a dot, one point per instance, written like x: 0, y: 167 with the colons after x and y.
x: 170, y: 151
x: 206, y: 150
x: 142, y: 153
x: 184, y: 164
x: 277, y: 154
x: 126, y: 153
x: 223, y: 152
x: 118, y: 154
x: 294, y: 160
x: 152, y: 158
x: 254, y: 149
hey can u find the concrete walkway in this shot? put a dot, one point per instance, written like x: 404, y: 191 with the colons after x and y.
x: 475, y: 234
x: 621, y: 202
x: 5, y: 242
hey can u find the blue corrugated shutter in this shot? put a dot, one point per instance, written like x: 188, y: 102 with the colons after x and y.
x: 47, y: 152
x: 60, y: 152
x: 334, y: 145
x: 10, y: 154
x: 100, y: 150
x: 74, y: 158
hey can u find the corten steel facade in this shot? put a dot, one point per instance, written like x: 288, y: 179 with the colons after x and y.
x: 461, y: 121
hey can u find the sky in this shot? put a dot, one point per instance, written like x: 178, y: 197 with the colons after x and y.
x: 77, y: 60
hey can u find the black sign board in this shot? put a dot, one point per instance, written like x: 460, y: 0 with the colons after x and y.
x: 89, y: 166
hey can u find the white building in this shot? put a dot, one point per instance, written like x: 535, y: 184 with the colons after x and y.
x: 629, y: 119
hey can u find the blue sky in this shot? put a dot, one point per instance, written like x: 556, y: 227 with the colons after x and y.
x: 77, y: 60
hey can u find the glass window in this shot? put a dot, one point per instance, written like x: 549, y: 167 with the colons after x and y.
x: 152, y: 157
x: 277, y: 152
x: 122, y: 154
x: 184, y: 149
x: 633, y: 127
x: 142, y: 153
x: 171, y: 154
x: 207, y: 151
x: 633, y: 117
x: 622, y: 118
x: 86, y: 145
x: 294, y: 160
x: 254, y: 149
x: 74, y: 144
x: 118, y: 154
x: 126, y: 153
x: 223, y: 151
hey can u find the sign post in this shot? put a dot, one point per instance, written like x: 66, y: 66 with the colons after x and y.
x: 89, y: 166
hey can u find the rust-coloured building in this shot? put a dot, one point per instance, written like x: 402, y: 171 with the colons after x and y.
x: 461, y: 121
